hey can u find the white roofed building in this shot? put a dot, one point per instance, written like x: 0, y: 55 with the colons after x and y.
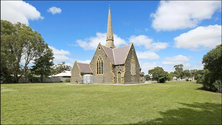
x: 65, y: 74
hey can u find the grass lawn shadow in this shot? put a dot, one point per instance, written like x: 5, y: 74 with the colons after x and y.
x: 196, y: 113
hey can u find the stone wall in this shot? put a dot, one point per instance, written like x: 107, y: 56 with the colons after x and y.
x: 75, y: 74
x: 128, y: 77
x: 107, y: 76
x: 117, y: 69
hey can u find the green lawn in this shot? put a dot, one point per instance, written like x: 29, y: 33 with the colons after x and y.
x: 61, y: 103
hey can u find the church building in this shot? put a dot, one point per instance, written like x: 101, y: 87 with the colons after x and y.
x: 109, y: 65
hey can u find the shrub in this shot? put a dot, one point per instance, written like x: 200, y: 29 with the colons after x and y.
x: 187, y: 80
x: 161, y: 79
x: 8, y: 79
x: 199, y: 78
x: 217, y: 84
x: 147, y: 77
x: 67, y: 80
x: 207, y: 80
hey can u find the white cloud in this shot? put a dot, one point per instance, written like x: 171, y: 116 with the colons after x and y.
x: 19, y: 11
x: 86, y: 61
x: 54, y: 10
x: 73, y: 60
x: 149, y: 43
x: 146, y: 66
x: 176, y: 60
x: 198, y: 65
x: 92, y: 42
x: 173, y: 15
x: 141, y: 40
x: 60, y: 55
x: 158, y: 46
x: 147, y: 55
x: 169, y: 63
x: 200, y: 38
x: 180, y: 59
x: 146, y: 29
x: 69, y: 64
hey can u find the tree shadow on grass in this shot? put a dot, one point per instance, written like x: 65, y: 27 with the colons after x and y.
x: 197, y: 113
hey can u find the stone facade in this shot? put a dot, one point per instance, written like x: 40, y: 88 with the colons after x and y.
x: 119, y: 69
x: 75, y: 74
x: 132, y: 78
x: 107, y: 75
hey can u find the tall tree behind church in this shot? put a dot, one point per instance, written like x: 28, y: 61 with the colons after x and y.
x: 43, y: 64
x: 179, y: 71
x: 19, y: 46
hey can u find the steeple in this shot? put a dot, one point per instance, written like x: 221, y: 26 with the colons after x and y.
x: 109, y: 35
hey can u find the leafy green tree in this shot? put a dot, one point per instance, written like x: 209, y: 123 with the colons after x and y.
x: 61, y: 67
x: 179, y: 71
x: 147, y: 77
x: 212, y: 61
x: 19, y: 45
x: 159, y: 74
x: 7, y: 59
x: 43, y: 64
x: 199, y: 76
x: 193, y: 72
x: 170, y: 76
x: 187, y: 73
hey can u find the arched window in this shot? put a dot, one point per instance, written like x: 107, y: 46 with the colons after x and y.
x: 99, y: 65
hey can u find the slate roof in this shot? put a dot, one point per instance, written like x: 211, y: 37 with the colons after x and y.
x: 117, y: 55
x: 109, y: 53
x: 84, y: 68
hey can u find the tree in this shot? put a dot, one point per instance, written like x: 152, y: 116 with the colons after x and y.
x: 212, y: 61
x: 43, y: 65
x: 187, y: 73
x: 61, y: 67
x: 19, y: 45
x: 158, y: 74
x: 170, y: 76
x: 199, y: 75
x: 179, y: 71
x: 7, y: 29
x: 147, y: 77
x: 193, y: 73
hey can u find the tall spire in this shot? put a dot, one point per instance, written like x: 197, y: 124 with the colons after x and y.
x: 109, y: 35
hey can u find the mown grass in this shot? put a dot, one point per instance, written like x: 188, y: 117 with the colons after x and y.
x: 61, y: 103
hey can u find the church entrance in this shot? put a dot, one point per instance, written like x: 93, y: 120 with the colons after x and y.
x: 119, y: 77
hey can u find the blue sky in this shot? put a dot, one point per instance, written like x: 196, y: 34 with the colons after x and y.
x: 164, y: 33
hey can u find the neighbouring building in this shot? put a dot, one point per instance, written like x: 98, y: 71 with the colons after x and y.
x: 109, y: 64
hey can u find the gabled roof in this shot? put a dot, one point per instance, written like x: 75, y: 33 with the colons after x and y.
x: 109, y: 53
x: 117, y: 55
x: 120, y: 54
x: 84, y: 68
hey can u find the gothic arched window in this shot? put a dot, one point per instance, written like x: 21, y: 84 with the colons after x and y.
x: 99, y: 65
